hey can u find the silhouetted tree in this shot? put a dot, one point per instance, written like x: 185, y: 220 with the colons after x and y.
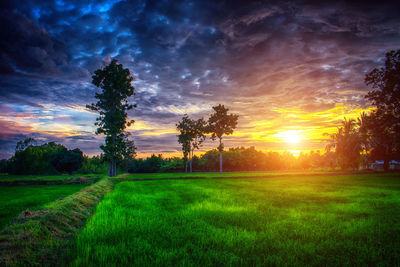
x: 67, y: 160
x: 128, y: 152
x: 197, y: 129
x: 191, y: 136
x: 221, y: 123
x: 112, y: 105
x: 384, y: 122
x: 185, y: 137
x: 347, y: 144
x: 364, y: 136
x: 383, y: 140
x: 21, y: 145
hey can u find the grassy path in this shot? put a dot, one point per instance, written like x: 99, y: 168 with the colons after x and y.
x: 42, y: 237
x: 15, y: 199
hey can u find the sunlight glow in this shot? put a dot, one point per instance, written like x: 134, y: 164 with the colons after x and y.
x: 289, y: 136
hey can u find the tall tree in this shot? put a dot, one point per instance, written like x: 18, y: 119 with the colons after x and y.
x: 184, y: 137
x: 347, y: 145
x: 221, y: 123
x: 197, y: 129
x: 384, y: 122
x: 116, y: 87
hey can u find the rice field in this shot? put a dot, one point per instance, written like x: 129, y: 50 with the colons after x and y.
x: 290, y: 221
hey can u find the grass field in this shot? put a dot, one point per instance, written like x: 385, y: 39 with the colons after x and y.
x: 305, y: 220
x: 206, y: 175
x: 15, y: 199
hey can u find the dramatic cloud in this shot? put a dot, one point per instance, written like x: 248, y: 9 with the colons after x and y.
x: 281, y: 65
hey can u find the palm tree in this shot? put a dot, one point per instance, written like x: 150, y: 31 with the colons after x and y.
x: 347, y: 144
x: 362, y: 123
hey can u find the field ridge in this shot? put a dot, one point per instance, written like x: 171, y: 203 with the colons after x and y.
x: 38, y: 238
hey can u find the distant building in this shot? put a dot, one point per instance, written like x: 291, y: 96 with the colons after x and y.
x: 395, y: 165
x: 378, y: 165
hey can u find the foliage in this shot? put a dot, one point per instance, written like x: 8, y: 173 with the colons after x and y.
x: 112, y: 105
x: 191, y: 136
x: 49, y: 158
x: 237, y: 159
x: 386, y: 84
x: 184, y: 137
x: 21, y: 145
x: 347, y: 145
x: 221, y: 123
x: 95, y: 164
x: 67, y: 160
x: 383, y: 138
x: 148, y: 165
x: 3, y: 166
x: 384, y: 122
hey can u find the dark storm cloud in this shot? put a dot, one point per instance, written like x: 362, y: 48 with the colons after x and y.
x: 27, y: 48
x: 254, y: 56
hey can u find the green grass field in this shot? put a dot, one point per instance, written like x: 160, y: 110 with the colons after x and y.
x: 15, y: 199
x: 305, y: 220
x: 140, y: 176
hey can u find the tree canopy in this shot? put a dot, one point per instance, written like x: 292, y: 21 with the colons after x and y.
x: 383, y: 124
x: 116, y: 87
x: 48, y: 158
x: 191, y: 136
x: 221, y: 123
x: 347, y: 144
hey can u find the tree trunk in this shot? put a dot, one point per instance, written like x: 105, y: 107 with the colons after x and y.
x: 386, y: 165
x: 191, y: 159
x: 186, y: 163
x: 220, y: 156
x: 110, y: 169
x: 114, y: 168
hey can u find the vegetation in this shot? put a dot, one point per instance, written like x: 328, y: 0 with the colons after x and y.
x: 377, y: 134
x: 321, y: 220
x: 383, y: 124
x: 191, y: 136
x: 112, y: 105
x: 347, y: 144
x: 41, y: 238
x: 15, y: 199
x: 221, y: 123
x: 49, y: 158
x: 237, y: 159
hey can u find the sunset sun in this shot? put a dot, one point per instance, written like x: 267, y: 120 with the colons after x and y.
x: 292, y: 137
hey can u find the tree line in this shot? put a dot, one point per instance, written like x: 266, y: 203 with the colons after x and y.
x: 236, y: 159
x: 49, y: 158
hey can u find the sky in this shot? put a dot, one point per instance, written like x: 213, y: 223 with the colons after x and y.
x: 292, y: 70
